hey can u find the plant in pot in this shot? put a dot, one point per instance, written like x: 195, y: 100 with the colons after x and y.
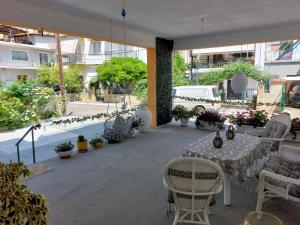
x: 295, y: 127
x: 64, y: 150
x: 254, y: 118
x: 210, y: 120
x: 182, y: 113
x: 137, y: 123
x: 96, y: 142
x: 18, y: 204
x: 82, y: 144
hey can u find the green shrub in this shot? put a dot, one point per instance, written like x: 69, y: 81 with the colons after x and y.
x: 24, y: 103
x: 141, y: 89
x: 73, y: 80
x: 72, y: 77
x: 218, y: 76
x: 48, y: 75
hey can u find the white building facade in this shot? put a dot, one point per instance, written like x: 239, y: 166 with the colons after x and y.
x: 22, y: 59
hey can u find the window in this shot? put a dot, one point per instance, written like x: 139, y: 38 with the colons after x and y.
x: 267, y: 85
x: 216, y: 92
x: 201, y: 93
x: 186, y: 92
x: 44, y: 58
x: 95, y: 48
x: 19, y: 55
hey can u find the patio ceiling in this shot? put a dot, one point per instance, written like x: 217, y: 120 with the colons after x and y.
x: 224, y: 22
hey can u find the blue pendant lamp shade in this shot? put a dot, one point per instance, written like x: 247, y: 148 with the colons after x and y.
x: 123, y: 13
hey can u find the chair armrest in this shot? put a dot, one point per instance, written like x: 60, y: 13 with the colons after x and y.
x: 256, y: 132
x: 289, y: 152
x: 268, y: 139
x: 283, y: 179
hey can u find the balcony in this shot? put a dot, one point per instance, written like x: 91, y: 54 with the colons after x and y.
x: 73, y: 58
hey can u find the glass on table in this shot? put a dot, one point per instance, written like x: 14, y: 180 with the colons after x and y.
x: 261, y: 218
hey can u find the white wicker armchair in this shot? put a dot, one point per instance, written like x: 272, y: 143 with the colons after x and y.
x: 193, y: 183
x: 269, y: 136
x: 273, y: 184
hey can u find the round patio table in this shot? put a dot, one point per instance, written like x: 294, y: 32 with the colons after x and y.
x: 235, y: 157
x: 261, y: 218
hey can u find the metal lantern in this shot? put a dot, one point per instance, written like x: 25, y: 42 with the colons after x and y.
x: 218, y: 142
x: 230, y: 133
x: 239, y: 82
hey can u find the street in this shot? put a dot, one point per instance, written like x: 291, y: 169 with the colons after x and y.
x: 83, y: 109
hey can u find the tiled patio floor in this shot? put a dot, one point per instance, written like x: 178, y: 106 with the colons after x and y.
x: 122, y: 185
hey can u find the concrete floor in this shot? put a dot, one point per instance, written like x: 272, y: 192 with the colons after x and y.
x: 122, y: 185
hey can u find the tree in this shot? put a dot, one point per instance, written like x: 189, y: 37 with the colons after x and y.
x: 141, y: 89
x: 179, y: 68
x: 218, y: 76
x: 48, y: 75
x: 73, y: 80
x: 72, y: 77
x: 124, y: 72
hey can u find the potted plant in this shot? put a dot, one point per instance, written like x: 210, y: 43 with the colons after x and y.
x: 182, y: 113
x: 64, y: 150
x: 96, y: 142
x: 19, y: 205
x: 210, y: 120
x: 137, y: 123
x: 82, y: 144
x: 249, y: 119
x: 295, y: 127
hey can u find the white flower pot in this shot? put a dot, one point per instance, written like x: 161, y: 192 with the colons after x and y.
x: 243, y: 128
x: 65, y: 155
x: 184, y: 121
x: 209, y: 126
x: 132, y: 133
x: 146, y: 118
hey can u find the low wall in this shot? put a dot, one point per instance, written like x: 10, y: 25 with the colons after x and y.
x: 116, y: 98
x: 83, y: 96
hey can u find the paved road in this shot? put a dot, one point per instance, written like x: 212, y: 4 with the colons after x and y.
x: 82, y: 109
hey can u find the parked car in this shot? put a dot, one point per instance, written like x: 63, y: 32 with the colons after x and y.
x: 209, y: 92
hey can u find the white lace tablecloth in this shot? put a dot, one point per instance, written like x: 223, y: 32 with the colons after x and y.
x: 234, y: 157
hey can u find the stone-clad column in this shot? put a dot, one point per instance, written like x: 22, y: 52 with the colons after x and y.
x: 164, y: 87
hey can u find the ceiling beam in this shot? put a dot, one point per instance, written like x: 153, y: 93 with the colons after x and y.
x: 25, y: 15
x: 268, y: 34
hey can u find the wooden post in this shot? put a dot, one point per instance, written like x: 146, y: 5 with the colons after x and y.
x: 151, y: 71
x: 61, y: 75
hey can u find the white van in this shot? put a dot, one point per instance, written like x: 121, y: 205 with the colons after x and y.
x: 210, y: 92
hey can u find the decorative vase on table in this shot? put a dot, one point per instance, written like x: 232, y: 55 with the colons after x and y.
x: 146, y: 117
x: 218, y: 141
x: 230, y: 133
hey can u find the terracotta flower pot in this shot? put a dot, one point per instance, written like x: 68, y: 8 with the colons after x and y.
x: 82, y: 146
x: 97, y: 146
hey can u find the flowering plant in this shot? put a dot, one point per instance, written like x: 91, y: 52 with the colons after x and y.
x: 209, y: 117
x: 295, y: 124
x: 256, y: 118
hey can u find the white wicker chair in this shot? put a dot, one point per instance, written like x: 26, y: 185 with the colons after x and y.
x: 193, y: 183
x: 275, y: 185
x: 282, y: 118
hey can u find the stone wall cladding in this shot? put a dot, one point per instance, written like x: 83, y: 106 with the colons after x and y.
x: 164, y: 87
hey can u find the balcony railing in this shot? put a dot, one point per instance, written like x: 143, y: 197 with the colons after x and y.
x: 204, y: 64
x: 73, y: 58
